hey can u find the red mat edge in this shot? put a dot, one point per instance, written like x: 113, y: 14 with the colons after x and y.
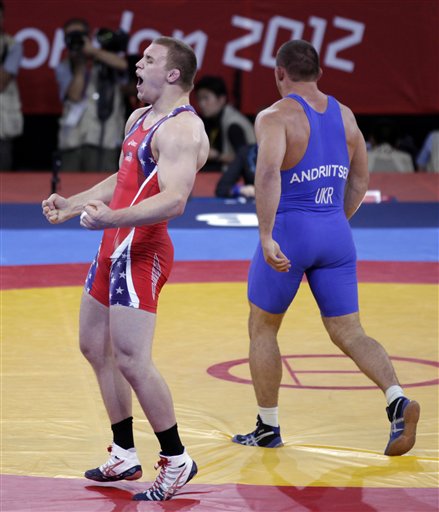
x: 73, y: 274
x: 22, y: 493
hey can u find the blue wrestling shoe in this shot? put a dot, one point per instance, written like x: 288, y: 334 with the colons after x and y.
x: 264, y: 436
x: 122, y: 465
x: 403, y: 426
x: 175, y: 472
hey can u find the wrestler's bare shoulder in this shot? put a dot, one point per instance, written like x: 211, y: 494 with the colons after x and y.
x: 281, y: 110
x: 185, y: 125
x: 349, y: 120
x: 184, y: 132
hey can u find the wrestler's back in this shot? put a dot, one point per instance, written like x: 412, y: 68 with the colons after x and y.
x: 316, y: 182
x: 310, y: 223
x: 311, y: 227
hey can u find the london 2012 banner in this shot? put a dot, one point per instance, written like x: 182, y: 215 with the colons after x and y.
x: 377, y: 57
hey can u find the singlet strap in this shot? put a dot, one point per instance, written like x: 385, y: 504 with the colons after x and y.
x: 145, y: 154
x: 175, y: 112
x: 308, y: 109
x: 299, y: 99
x: 138, y: 122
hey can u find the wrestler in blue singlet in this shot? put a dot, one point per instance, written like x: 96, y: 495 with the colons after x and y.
x: 311, y: 227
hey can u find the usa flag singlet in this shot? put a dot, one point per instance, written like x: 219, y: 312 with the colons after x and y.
x: 132, y: 264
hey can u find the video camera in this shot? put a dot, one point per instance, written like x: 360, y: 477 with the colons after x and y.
x: 110, y: 40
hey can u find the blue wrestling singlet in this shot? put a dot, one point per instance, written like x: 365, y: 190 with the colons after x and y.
x: 311, y: 227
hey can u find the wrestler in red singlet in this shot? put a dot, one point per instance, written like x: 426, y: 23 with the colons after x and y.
x: 134, y: 263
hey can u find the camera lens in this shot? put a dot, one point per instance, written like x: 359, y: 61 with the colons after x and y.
x: 75, y: 40
x: 112, y: 41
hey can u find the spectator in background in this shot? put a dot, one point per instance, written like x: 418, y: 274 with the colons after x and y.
x: 89, y: 80
x: 241, y: 169
x: 383, y: 156
x: 228, y: 130
x: 428, y: 157
x: 11, y: 124
x: 406, y: 142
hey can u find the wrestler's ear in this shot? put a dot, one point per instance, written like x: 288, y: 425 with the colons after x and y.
x: 173, y: 75
x: 279, y: 73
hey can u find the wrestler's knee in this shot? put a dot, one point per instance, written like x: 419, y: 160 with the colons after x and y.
x: 125, y: 363
x: 262, y: 324
x: 134, y: 366
x: 94, y: 337
x: 344, y: 330
x: 96, y: 353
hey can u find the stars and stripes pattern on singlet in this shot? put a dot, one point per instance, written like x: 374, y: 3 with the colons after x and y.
x: 137, y: 180
x: 144, y: 153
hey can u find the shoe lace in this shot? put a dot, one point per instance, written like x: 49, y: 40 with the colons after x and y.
x: 159, y: 483
x: 112, y: 460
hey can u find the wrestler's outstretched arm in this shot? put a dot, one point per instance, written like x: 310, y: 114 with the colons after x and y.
x: 58, y: 209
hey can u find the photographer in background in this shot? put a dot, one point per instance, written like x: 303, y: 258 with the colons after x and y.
x: 89, y: 80
x: 11, y: 124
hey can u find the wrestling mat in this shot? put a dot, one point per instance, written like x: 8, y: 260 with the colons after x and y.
x: 332, y: 418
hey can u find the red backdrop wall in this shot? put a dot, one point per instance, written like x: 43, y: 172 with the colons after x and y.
x: 377, y: 56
